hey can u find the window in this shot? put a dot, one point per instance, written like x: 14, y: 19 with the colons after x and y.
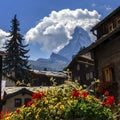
x: 87, y: 76
x: 18, y: 102
x: 26, y: 100
x: 78, y: 67
x: 86, y: 65
x: 75, y: 78
x: 107, y: 74
x: 91, y: 75
x: 78, y: 78
x: 110, y: 27
x: 118, y: 22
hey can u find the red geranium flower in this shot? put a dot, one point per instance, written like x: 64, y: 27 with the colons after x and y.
x: 75, y: 94
x: 18, y: 110
x: 119, y: 103
x: 29, y: 103
x: 109, y: 101
x: 8, y: 112
x: 84, y: 94
x: 38, y: 95
x: 106, y: 93
x: 2, y: 115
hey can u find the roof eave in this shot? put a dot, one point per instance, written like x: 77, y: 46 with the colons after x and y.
x: 99, y: 41
x: 105, y: 19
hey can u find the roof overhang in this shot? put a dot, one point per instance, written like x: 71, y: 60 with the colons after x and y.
x: 100, y: 41
x: 21, y: 91
x: 106, y: 18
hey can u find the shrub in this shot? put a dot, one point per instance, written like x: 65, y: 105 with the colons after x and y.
x: 66, y: 102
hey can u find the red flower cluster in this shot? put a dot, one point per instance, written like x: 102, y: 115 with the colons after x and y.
x: 84, y: 94
x: 106, y: 93
x: 75, y: 94
x: 119, y: 103
x: 109, y: 101
x: 38, y: 95
x: 3, y: 114
x: 18, y: 111
x: 29, y: 103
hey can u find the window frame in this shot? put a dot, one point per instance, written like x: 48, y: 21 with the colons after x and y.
x: 110, y: 27
x: 78, y: 67
x: 87, y: 76
x: 26, y: 100
x: 18, y: 104
x: 107, y: 74
x: 91, y: 75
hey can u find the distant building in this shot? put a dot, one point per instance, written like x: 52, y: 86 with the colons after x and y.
x: 106, y: 52
x: 82, y: 69
x: 43, y: 78
x: 15, y: 97
x: 10, y: 82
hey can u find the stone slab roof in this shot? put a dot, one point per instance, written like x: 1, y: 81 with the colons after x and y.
x: 101, y: 40
x: 50, y: 73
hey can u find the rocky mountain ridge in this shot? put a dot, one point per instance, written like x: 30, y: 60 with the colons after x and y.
x: 58, y: 61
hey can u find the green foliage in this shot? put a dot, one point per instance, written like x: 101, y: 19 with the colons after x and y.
x: 66, y: 102
x: 22, y: 83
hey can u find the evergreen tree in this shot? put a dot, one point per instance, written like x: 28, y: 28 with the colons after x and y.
x: 16, y: 60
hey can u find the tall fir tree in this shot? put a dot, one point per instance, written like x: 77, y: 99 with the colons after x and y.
x: 16, y: 60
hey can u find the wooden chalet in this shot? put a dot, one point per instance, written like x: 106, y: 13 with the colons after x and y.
x: 43, y: 78
x: 15, y: 97
x: 82, y: 69
x: 106, y: 51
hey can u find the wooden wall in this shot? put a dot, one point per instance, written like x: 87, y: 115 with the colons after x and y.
x: 108, y: 55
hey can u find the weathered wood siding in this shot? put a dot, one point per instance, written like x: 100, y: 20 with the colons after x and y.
x: 86, y: 66
x: 109, y: 54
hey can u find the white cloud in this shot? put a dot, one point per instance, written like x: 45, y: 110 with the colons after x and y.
x: 54, y: 32
x: 3, y: 38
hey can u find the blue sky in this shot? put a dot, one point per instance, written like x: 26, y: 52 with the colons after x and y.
x: 48, y: 24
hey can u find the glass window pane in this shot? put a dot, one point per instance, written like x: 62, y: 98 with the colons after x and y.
x: 18, y: 102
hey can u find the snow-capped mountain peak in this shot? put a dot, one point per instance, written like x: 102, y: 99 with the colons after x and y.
x: 80, y: 39
x: 59, y: 61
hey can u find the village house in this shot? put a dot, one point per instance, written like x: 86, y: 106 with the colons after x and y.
x: 15, y: 97
x: 9, y: 81
x: 106, y: 52
x: 82, y: 69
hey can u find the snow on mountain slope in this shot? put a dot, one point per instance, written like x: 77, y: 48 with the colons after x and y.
x: 80, y: 39
x: 59, y: 61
